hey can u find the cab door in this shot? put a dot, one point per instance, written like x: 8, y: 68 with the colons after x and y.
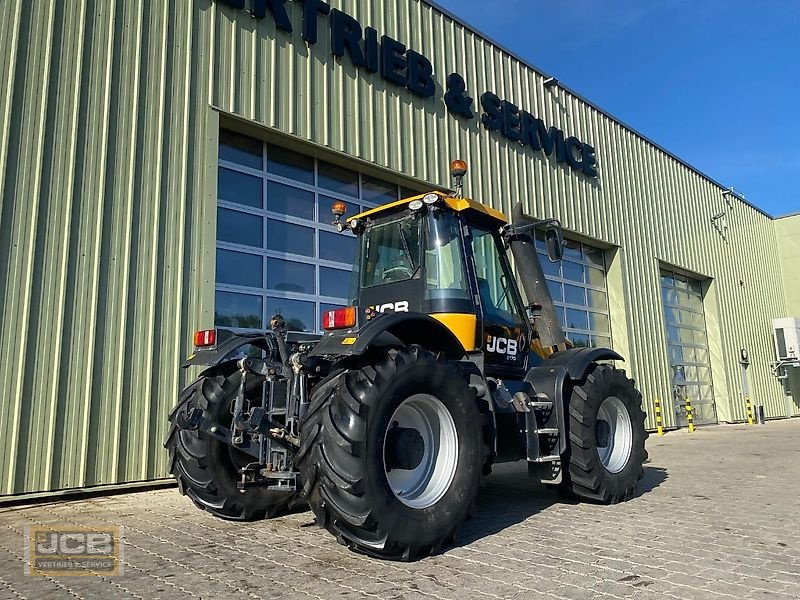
x: 505, y: 333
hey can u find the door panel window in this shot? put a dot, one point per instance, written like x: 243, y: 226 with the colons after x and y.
x: 282, y: 162
x: 239, y: 227
x: 238, y: 310
x: 240, y: 149
x: 446, y: 277
x: 290, y: 276
x: 289, y: 200
x: 240, y: 188
x: 239, y: 268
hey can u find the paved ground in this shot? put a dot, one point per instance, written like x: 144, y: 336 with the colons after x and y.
x: 718, y: 517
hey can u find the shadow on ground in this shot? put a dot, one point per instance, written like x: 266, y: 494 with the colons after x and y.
x: 511, y: 497
x: 653, y: 477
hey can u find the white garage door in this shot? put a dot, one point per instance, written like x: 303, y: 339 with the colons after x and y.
x: 687, y: 347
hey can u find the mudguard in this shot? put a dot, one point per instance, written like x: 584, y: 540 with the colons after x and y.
x: 392, y: 328
x: 577, y: 360
x: 229, y: 342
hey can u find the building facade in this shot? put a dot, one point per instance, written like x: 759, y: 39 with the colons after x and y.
x: 168, y: 166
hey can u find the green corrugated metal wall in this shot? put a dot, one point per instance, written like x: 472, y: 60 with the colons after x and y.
x: 107, y: 203
x: 788, y: 232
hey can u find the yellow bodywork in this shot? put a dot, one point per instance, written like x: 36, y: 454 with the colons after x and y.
x: 461, y: 325
x: 456, y: 204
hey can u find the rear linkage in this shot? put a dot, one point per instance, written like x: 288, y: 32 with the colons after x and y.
x: 245, y: 420
x: 252, y: 427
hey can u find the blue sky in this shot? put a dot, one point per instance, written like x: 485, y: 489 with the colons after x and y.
x: 716, y: 82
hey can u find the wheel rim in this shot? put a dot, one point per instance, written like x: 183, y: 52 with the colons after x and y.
x: 614, y: 434
x: 422, y: 418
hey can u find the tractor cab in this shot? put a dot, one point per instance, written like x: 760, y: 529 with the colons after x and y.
x: 445, y: 257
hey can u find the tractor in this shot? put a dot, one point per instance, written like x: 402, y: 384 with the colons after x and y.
x: 441, y: 366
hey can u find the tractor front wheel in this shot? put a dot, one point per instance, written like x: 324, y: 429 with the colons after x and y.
x: 391, y: 454
x: 606, y: 431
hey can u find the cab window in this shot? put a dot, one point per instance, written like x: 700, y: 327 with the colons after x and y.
x: 444, y: 265
x: 391, y: 250
x: 494, y: 281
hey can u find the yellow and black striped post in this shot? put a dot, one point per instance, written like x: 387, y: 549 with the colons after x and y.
x: 659, y: 419
x: 748, y: 403
x: 689, y: 415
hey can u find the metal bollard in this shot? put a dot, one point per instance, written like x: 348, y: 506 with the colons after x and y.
x: 689, y: 414
x: 749, y: 406
x: 659, y: 419
x: 760, y: 420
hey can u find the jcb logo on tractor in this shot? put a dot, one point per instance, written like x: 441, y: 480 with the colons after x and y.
x: 399, y: 306
x: 501, y: 345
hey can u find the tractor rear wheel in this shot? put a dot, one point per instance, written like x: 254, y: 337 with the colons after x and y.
x: 391, y: 454
x: 606, y: 431
x: 206, y: 469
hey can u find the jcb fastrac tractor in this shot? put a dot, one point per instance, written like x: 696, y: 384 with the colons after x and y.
x: 388, y: 422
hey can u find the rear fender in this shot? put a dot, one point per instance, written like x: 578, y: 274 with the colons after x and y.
x: 390, y: 329
x: 229, y: 343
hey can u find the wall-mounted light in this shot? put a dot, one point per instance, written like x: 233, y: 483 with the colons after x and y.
x: 550, y: 82
x: 744, y: 357
x: 729, y: 194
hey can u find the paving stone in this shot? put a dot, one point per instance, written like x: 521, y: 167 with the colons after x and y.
x: 693, y: 532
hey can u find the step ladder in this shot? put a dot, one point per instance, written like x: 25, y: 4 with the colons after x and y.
x: 544, y: 436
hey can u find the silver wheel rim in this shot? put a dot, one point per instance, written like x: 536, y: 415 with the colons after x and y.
x: 424, y: 485
x: 614, y: 434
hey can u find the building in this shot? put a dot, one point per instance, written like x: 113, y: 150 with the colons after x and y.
x: 168, y: 166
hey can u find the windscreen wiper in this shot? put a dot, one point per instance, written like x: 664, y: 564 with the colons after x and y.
x: 407, y: 249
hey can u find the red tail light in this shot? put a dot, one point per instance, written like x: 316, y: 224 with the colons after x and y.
x: 204, y: 338
x: 339, y: 318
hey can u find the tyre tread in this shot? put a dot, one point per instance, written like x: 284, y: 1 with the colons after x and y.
x: 193, y: 468
x: 584, y: 475
x: 334, y: 487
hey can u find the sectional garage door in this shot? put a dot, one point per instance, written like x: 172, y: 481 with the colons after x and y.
x: 578, y: 287
x: 687, y: 347
x: 277, y: 251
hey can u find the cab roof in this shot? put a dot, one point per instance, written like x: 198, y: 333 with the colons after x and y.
x: 465, y: 205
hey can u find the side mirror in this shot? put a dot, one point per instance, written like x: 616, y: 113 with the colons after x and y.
x: 554, y: 241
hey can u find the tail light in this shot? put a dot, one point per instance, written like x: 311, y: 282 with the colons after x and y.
x: 205, y: 338
x: 339, y: 318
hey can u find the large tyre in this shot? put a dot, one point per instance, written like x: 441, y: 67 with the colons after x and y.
x: 391, y: 454
x: 605, y: 453
x: 206, y: 469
